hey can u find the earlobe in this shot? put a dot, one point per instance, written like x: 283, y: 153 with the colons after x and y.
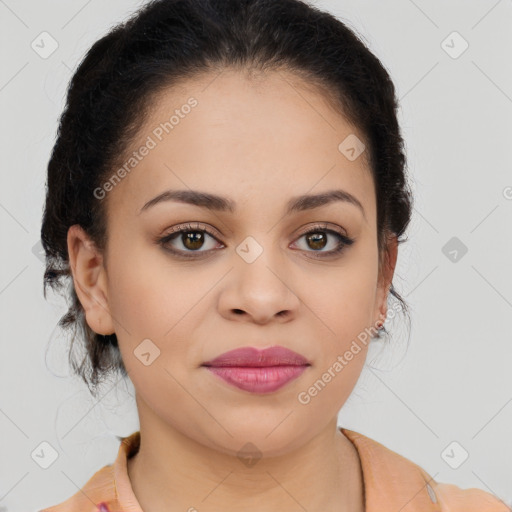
x: 89, y: 279
x: 383, y: 309
x: 387, y: 271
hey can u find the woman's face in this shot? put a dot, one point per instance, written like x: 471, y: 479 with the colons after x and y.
x: 255, y: 280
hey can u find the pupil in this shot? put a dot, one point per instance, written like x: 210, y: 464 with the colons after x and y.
x: 315, y: 237
x: 194, y: 237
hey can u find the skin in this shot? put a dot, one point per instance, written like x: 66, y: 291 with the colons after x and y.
x: 258, y: 141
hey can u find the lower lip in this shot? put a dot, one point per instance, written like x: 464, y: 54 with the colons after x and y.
x: 257, y: 379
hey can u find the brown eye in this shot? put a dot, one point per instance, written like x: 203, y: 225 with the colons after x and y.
x: 192, y: 240
x: 317, y: 240
x: 188, y: 239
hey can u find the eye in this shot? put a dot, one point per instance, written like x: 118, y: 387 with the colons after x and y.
x: 190, y: 237
x: 318, y: 236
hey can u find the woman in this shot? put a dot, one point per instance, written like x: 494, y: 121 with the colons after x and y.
x: 228, y: 193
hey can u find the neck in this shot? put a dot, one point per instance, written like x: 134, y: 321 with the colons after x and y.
x: 172, y: 472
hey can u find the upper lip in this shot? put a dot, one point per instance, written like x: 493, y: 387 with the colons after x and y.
x: 254, y: 357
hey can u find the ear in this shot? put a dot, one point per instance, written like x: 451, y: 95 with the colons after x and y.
x: 90, y: 280
x: 386, y: 271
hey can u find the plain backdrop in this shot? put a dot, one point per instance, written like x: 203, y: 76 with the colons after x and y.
x: 440, y: 396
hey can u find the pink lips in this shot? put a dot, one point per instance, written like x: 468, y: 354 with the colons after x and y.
x: 258, y: 371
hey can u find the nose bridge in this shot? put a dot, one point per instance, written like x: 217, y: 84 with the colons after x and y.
x: 260, y: 275
x: 260, y: 258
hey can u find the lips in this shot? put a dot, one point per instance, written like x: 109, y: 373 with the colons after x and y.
x: 253, y: 357
x: 258, y: 371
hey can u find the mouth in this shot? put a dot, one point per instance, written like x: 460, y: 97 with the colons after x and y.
x: 258, y: 371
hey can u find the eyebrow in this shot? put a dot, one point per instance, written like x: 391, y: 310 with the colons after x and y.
x: 223, y: 204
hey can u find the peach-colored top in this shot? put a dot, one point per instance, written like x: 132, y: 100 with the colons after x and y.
x: 392, y: 483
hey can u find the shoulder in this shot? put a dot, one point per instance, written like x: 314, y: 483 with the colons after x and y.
x: 398, y: 482
x: 109, y: 489
x: 97, y: 495
x: 453, y: 498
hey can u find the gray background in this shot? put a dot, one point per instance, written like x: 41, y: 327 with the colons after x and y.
x: 453, y: 383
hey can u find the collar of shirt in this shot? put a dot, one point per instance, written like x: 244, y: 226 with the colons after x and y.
x: 392, y: 483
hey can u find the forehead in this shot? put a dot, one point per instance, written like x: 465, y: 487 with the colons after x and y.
x: 238, y: 136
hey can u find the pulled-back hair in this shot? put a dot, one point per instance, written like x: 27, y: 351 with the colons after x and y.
x: 169, y: 41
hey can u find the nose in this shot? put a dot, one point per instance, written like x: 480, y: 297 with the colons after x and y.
x: 259, y: 292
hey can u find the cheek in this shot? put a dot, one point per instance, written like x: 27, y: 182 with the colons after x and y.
x: 343, y: 316
x: 149, y: 302
x: 156, y: 307
x: 146, y: 296
x: 344, y: 299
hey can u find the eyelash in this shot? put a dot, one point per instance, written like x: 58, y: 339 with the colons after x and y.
x: 345, y: 241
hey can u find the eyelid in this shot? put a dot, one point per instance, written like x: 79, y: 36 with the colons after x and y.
x: 344, y: 242
x: 196, y: 225
x: 323, y: 226
x: 193, y: 226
